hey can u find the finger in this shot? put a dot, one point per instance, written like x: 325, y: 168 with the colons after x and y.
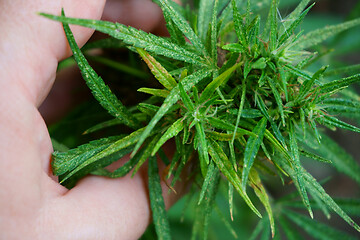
x: 145, y: 14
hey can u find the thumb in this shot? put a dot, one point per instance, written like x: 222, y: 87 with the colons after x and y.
x: 36, y: 44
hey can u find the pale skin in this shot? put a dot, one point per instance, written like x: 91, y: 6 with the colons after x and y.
x: 32, y: 204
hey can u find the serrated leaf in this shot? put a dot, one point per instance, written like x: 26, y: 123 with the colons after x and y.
x: 320, y: 35
x: 225, y: 166
x: 171, y: 132
x: 101, y: 92
x: 157, y: 204
x: 183, y: 25
x: 294, y: 15
x: 337, y: 123
x: 175, y: 33
x: 252, y: 148
x: 295, y: 23
x: 316, y: 229
x: 114, y: 147
x: 336, y: 85
x: 160, y: 73
x: 135, y: 37
x: 239, y: 28
x: 315, y: 188
x: 173, y: 97
x: 273, y: 25
x: 341, y: 105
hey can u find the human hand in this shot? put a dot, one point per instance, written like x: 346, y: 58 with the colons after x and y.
x: 32, y: 204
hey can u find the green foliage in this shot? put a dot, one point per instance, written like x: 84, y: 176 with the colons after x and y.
x: 238, y: 95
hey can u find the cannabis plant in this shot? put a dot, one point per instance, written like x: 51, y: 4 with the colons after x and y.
x: 243, y: 98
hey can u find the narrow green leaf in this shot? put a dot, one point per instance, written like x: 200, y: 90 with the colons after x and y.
x: 156, y: 92
x: 114, y: 147
x: 314, y: 156
x: 298, y: 72
x: 298, y: 168
x: 252, y: 148
x: 273, y: 25
x: 204, y: 210
x: 183, y: 25
x: 171, y: 132
x: 148, y: 109
x: 316, y: 229
x: 288, y: 31
x: 109, y: 123
x: 214, y: 84
x: 221, y: 124
x: 336, y: 85
x: 233, y: 47
x: 157, y: 204
x: 239, y: 28
x: 214, y: 33
x: 343, y: 70
x: 204, y: 17
x: 63, y: 162
x: 203, y: 147
x: 101, y: 92
x: 223, y: 136
x: 264, y: 111
x: 175, y: 33
x: 277, y: 99
x: 337, y: 123
x: 135, y: 37
x: 320, y: 35
x: 225, y: 166
x: 295, y: 15
x: 260, y: 192
x: 173, y: 97
x: 124, y: 169
x: 186, y: 99
x: 160, y: 73
x: 308, y: 84
x: 211, y: 175
x: 341, y: 105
